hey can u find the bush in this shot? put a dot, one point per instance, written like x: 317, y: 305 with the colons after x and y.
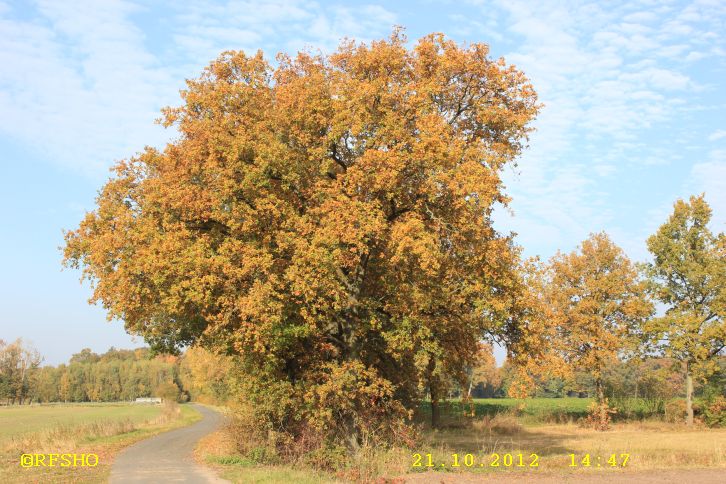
x: 500, y: 424
x: 675, y: 411
x: 253, y: 440
x: 599, y: 415
x: 638, y: 408
x: 353, y: 406
x: 714, y: 412
x: 169, y: 411
x: 168, y: 391
x: 333, y: 457
x: 345, y: 410
x: 651, y: 406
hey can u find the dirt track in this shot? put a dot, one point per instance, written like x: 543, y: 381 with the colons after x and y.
x: 167, y: 457
x: 677, y: 476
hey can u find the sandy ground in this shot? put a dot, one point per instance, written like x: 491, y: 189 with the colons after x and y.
x: 679, y: 476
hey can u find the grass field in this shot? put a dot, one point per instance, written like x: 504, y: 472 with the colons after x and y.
x: 650, y: 445
x: 16, y: 421
x: 534, y: 411
x: 545, y: 427
x: 101, y: 429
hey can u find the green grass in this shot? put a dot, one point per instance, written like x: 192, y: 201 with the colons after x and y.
x: 21, y: 420
x: 534, y: 410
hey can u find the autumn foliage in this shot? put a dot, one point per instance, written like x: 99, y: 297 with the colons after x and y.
x: 326, y: 219
x: 600, y: 306
x: 688, y: 275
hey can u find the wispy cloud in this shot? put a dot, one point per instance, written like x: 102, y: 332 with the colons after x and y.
x: 709, y: 177
x: 83, y: 89
x: 611, y: 78
x: 625, y: 87
x: 208, y: 28
x: 86, y: 83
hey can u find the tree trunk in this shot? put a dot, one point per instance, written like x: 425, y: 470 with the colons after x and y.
x: 353, y: 440
x: 434, y: 390
x: 435, y: 409
x: 689, y: 396
x: 600, y: 391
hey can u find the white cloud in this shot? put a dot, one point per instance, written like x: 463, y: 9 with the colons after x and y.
x: 83, y: 89
x: 640, y: 17
x: 608, y: 76
x: 695, y: 56
x: 604, y: 169
x: 709, y: 177
x: 86, y: 84
x: 87, y: 81
x: 211, y: 27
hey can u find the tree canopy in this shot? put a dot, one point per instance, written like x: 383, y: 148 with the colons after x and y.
x: 689, y: 276
x: 600, y: 305
x: 328, y: 220
x: 18, y: 364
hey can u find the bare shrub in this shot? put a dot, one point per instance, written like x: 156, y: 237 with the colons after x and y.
x: 499, y: 424
x: 170, y: 411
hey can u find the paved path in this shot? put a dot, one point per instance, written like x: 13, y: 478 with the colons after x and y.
x: 167, y: 457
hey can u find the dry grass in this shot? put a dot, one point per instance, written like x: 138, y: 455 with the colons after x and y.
x: 217, y: 445
x: 219, y: 450
x: 499, y: 424
x: 66, y: 437
x: 652, y: 446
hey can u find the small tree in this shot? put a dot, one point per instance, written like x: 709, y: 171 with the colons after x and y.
x: 599, y: 304
x: 207, y: 376
x: 688, y: 274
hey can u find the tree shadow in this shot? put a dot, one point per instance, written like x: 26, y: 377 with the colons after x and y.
x: 525, y: 441
x: 497, y: 428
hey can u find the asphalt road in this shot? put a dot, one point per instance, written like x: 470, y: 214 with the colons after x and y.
x: 167, y: 457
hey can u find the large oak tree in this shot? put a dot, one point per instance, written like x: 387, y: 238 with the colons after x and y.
x: 326, y: 219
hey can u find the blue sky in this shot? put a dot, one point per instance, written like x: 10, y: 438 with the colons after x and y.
x: 634, y: 117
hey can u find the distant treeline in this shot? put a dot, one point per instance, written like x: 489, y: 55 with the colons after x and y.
x: 199, y: 375
x: 653, y: 378
x: 116, y: 375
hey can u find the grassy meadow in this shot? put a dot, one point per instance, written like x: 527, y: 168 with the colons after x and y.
x: 535, y: 411
x: 102, y: 429
x: 547, y: 427
x: 16, y: 421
